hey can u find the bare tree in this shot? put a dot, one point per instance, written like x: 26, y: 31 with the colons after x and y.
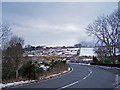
x: 14, y: 52
x: 16, y: 45
x: 15, y: 40
x: 106, y: 30
x: 5, y: 31
x: 101, y: 51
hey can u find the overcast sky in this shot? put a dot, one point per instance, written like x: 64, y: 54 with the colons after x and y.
x: 54, y: 23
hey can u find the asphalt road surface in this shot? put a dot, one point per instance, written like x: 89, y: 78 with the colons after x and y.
x: 82, y: 76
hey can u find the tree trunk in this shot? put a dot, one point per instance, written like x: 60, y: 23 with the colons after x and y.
x: 16, y: 74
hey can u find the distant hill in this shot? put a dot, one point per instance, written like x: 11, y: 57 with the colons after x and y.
x: 85, y: 44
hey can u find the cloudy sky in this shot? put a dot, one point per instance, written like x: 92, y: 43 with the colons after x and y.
x: 54, y: 23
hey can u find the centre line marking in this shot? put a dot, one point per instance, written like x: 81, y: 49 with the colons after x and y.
x: 76, y: 81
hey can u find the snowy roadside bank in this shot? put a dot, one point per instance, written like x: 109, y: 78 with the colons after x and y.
x: 55, y: 75
x: 107, y: 67
x: 19, y: 83
x: 7, y: 85
x: 82, y: 63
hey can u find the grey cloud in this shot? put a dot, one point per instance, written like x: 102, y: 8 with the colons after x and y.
x: 53, y: 23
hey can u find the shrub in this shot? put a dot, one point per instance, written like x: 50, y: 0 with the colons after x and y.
x: 44, y: 63
x: 118, y: 57
x: 104, y: 64
x: 8, y: 75
x: 30, y: 71
x: 8, y: 70
x: 106, y: 60
x: 95, y: 59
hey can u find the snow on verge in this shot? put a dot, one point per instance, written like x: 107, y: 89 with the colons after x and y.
x: 44, y: 67
x: 58, y: 73
x: 107, y: 67
x: 15, y: 83
x: 84, y: 64
x: 29, y: 81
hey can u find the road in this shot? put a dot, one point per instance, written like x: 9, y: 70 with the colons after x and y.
x: 82, y: 76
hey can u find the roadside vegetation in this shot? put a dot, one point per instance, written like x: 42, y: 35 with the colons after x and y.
x: 106, y: 29
x: 106, y: 62
x: 15, y: 67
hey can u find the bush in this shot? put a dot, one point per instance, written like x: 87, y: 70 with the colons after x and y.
x: 30, y: 71
x: 104, y: 64
x: 118, y: 57
x: 8, y: 70
x: 63, y: 62
x: 44, y: 63
x: 8, y: 75
x: 107, y: 61
x: 95, y: 59
x: 57, y: 63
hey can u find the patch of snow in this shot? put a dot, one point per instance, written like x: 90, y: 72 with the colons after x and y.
x: 53, y: 75
x: 105, y: 67
x: 58, y: 74
x: 69, y: 69
x: 64, y: 71
x: 67, y: 61
x: 117, y: 53
x: 30, y: 55
x: 44, y: 67
x: 84, y: 64
x: 87, y: 59
x: 60, y: 53
x: 15, y: 83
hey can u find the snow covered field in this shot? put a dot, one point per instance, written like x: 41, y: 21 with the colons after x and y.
x: 91, y: 52
x: 87, y: 52
x: 51, y: 52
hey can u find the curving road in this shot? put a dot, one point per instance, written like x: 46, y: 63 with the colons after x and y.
x: 82, y: 76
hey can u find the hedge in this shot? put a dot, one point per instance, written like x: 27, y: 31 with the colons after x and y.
x: 104, y: 64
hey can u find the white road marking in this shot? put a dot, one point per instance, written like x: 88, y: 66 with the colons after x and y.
x: 70, y: 85
x: 116, y: 79
x: 117, y: 82
x: 76, y: 81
